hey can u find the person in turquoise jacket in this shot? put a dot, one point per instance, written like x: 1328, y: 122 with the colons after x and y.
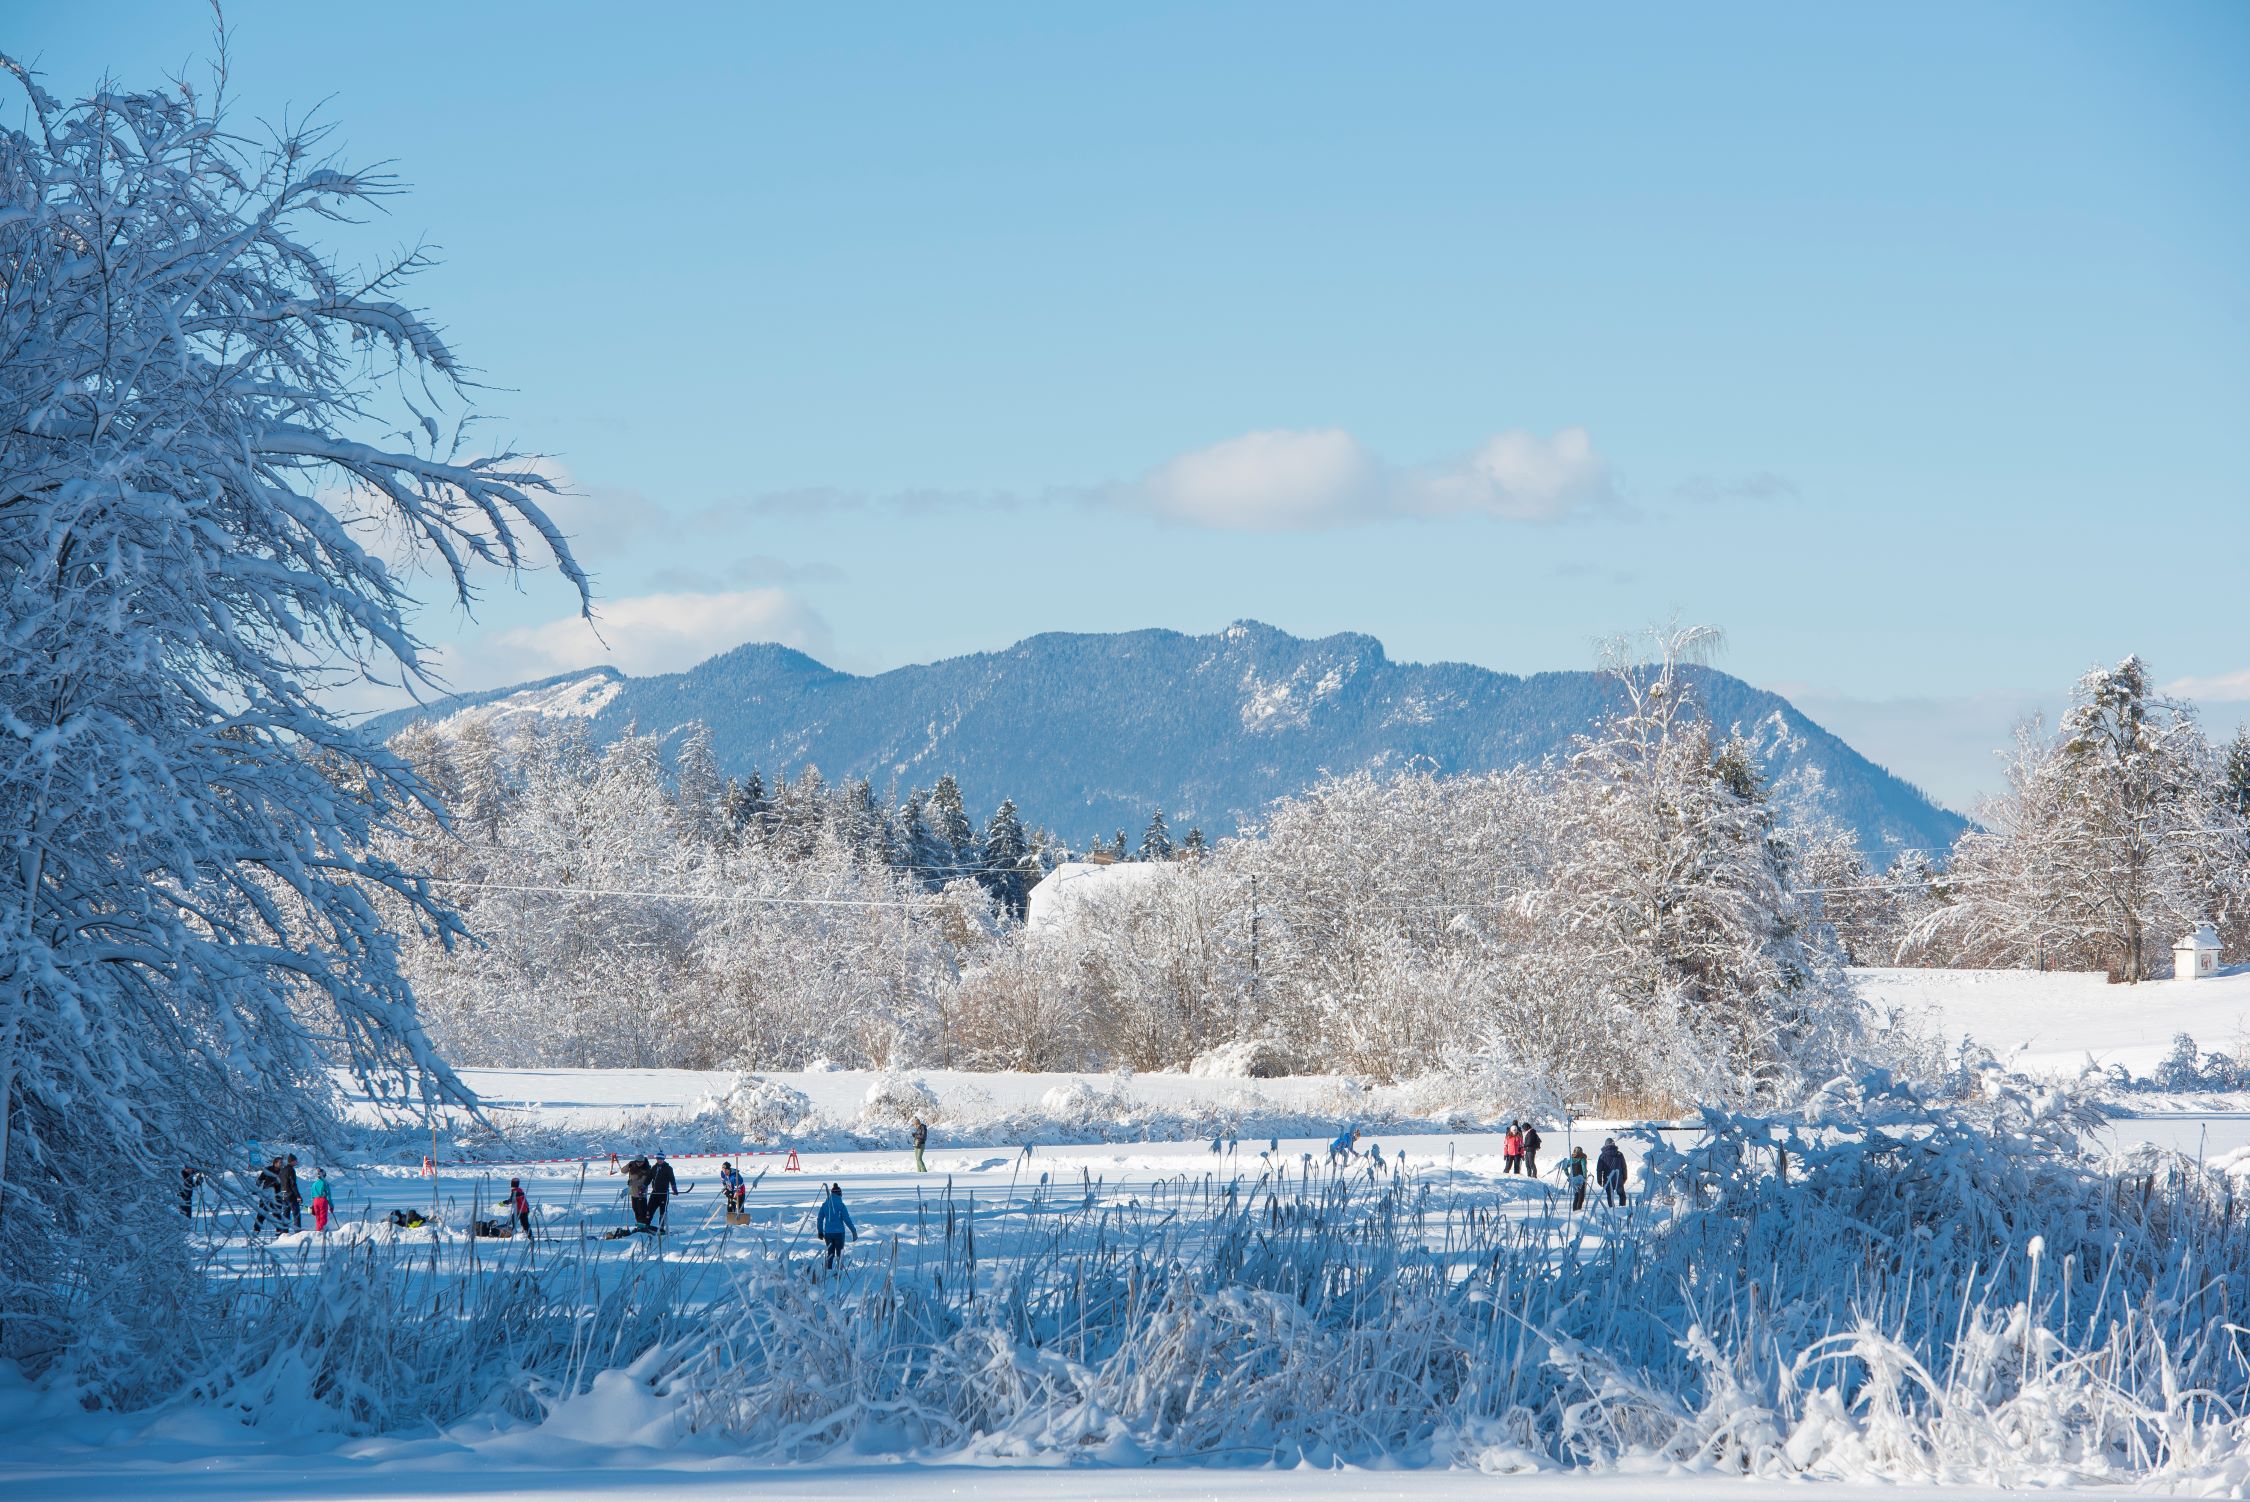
x: 834, y: 1220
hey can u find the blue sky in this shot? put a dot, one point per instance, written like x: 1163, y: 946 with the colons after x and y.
x: 1910, y: 344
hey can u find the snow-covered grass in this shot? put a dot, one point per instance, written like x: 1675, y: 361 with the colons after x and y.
x: 1937, y: 1291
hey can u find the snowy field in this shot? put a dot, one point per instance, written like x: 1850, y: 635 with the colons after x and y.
x: 2059, y: 1022
x: 624, y: 1441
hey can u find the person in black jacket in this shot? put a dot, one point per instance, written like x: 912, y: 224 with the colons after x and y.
x: 1531, y: 1149
x: 1610, y: 1169
x: 661, y: 1186
x: 921, y: 1140
x: 191, y: 1178
x: 637, y: 1173
x: 292, y: 1198
x: 269, y: 1202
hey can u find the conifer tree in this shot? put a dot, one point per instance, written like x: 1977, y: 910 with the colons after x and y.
x: 2238, y: 771
x: 953, y: 838
x: 698, y: 791
x: 1007, y: 863
x: 1156, y: 840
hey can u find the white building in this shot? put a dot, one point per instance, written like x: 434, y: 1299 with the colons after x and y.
x: 2196, y: 955
x: 1065, y: 891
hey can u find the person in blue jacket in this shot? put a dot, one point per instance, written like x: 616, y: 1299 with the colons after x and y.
x: 1345, y: 1147
x: 833, y: 1222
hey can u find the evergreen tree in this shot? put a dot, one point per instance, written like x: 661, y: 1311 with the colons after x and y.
x: 1193, y: 846
x: 698, y: 792
x: 916, y: 846
x: 859, y: 823
x: 745, y: 807
x: 1118, y: 848
x: 953, y: 838
x: 801, y: 812
x: 1008, y: 871
x: 2238, y: 771
x: 1156, y: 840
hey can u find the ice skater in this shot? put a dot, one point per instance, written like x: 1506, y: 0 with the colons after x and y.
x: 662, y: 1185
x: 1574, y: 1174
x: 520, y: 1202
x: 921, y: 1141
x: 1610, y: 1169
x: 1531, y: 1145
x: 833, y: 1221
x: 1344, y: 1148
x: 322, y: 1206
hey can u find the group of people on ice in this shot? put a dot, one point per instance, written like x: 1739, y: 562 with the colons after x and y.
x: 651, y: 1186
x: 1519, y: 1153
x: 283, y: 1196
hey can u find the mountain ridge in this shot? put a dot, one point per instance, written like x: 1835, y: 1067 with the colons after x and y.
x: 1090, y: 731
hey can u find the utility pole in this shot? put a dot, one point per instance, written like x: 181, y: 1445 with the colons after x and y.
x: 1253, y: 942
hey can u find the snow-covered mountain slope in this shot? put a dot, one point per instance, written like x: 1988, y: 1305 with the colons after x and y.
x: 1088, y: 733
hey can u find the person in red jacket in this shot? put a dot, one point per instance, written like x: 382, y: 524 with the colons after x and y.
x: 521, y: 1204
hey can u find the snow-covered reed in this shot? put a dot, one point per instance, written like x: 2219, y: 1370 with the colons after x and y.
x: 393, y: 1333
x: 1876, y: 1286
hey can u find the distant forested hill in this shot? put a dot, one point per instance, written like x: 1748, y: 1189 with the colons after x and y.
x: 1089, y: 733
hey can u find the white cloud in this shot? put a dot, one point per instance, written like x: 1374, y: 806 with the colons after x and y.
x: 2217, y: 688
x: 1307, y: 478
x: 1519, y: 477
x: 644, y: 634
x: 1278, y: 480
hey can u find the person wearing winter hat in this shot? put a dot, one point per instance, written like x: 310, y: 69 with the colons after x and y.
x: 1609, y: 1168
x: 662, y: 1185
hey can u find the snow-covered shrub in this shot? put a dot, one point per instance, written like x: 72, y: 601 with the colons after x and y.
x: 894, y: 1100
x: 1076, y: 1104
x: 1246, y: 1059
x: 1485, y: 1091
x: 763, y: 1110
x: 964, y: 1103
x: 2187, y: 1068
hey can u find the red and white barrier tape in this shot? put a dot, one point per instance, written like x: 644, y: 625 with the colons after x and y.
x: 747, y: 1152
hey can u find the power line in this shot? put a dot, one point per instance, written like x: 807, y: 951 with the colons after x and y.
x: 754, y: 897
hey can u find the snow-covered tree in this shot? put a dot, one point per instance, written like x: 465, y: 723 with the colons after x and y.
x: 953, y: 839
x: 192, y: 479
x: 698, y: 791
x: 1677, y: 882
x: 1009, y: 871
x: 2114, y: 835
x: 1156, y: 840
x: 2237, y: 771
